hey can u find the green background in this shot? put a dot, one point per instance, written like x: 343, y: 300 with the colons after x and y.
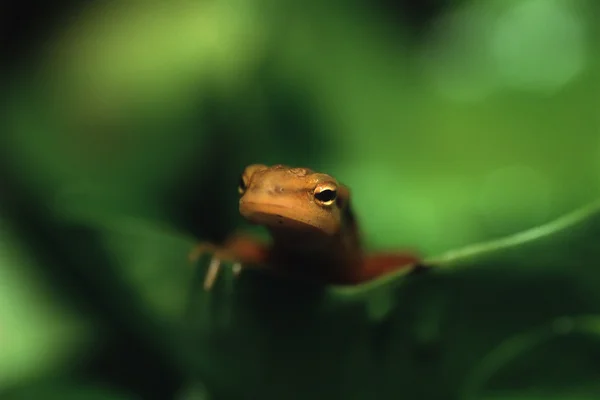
x: 127, y: 126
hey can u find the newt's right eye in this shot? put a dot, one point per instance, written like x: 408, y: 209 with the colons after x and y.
x: 325, y: 195
x: 242, y: 186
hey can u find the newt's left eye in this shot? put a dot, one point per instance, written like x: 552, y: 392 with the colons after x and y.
x: 325, y: 195
x: 242, y: 186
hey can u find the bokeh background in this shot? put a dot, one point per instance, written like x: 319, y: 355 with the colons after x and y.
x: 453, y: 122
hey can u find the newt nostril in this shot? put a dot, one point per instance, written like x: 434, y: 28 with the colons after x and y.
x: 277, y: 190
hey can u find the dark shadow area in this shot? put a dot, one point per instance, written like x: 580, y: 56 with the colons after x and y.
x: 204, y: 201
x: 26, y: 26
x: 72, y: 259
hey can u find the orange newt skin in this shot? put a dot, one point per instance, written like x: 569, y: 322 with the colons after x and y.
x: 314, y: 230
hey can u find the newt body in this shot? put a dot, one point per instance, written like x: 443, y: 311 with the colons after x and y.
x: 314, y: 230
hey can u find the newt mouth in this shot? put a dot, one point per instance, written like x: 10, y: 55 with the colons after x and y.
x: 278, y: 216
x: 270, y: 214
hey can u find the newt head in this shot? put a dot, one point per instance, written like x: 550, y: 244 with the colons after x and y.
x: 292, y: 199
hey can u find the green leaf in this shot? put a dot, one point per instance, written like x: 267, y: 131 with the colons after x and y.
x: 556, y: 361
x: 417, y: 336
x: 567, y: 242
x: 402, y: 336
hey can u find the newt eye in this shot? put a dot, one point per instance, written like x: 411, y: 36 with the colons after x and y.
x: 325, y: 195
x: 242, y: 186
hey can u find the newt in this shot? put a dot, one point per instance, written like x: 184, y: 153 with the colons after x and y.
x: 314, y: 231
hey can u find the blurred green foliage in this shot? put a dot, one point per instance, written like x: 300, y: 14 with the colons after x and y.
x: 127, y: 128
